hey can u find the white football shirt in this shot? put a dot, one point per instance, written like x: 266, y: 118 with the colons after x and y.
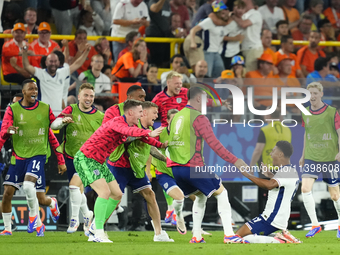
x: 231, y: 48
x: 271, y: 18
x: 252, y: 34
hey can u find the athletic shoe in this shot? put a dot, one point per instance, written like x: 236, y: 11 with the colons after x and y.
x: 41, y: 230
x: 194, y: 240
x: 168, y: 216
x: 91, y: 238
x: 234, y: 239
x: 32, y: 224
x: 5, y: 233
x: 14, y: 226
x: 290, y: 237
x: 73, y: 226
x: 203, y: 232
x: 101, y: 238
x: 92, y: 228
x: 162, y: 237
x: 55, y: 211
x: 338, y: 233
x: 87, y: 223
x: 313, y: 231
x: 181, y: 228
x: 174, y: 220
x: 279, y: 237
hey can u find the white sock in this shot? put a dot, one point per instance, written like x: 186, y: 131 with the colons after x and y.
x: 31, y: 197
x: 178, y: 206
x: 198, y: 210
x: 171, y: 207
x: 75, y: 198
x: 7, y: 217
x: 224, y: 210
x: 120, y: 209
x: 309, y: 204
x: 52, y: 205
x: 38, y: 213
x: 337, y: 208
x: 83, y: 206
x: 260, y: 239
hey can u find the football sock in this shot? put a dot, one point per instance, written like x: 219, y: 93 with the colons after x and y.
x: 224, y: 210
x: 111, y: 206
x: 198, y: 210
x: 337, y: 208
x: 169, y: 201
x: 309, y: 204
x: 31, y: 197
x: 52, y: 205
x: 260, y: 239
x: 178, y: 205
x: 76, y: 199
x: 83, y: 205
x: 7, y: 217
x: 100, y: 208
x: 120, y: 209
x: 39, y: 223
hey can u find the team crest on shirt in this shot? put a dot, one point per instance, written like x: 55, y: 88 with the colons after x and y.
x: 61, y: 81
x: 166, y: 185
x: 7, y: 177
x: 96, y: 172
x: 21, y: 116
x: 179, y: 100
x: 79, y: 117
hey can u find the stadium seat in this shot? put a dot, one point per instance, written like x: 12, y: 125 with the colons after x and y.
x: 121, y: 88
x: 162, y: 70
x: 3, y: 82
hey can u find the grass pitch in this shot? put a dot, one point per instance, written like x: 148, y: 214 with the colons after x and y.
x: 135, y: 243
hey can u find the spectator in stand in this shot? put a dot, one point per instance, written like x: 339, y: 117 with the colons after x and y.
x: 11, y: 13
x: 107, y: 69
x: 192, y: 9
x: 43, y: 45
x: 309, y: 53
x: 176, y: 26
x: 282, y: 29
x: 160, y: 12
x: 179, y: 65
x: 334, y: 70
x: 266, y: 38
x: 30, y: 18
x: 12, y: 66
x: 201, y: 70
x: 291, y: 14
x: 332, y: 13
x: 304, y: 28
x: 129, y: 39
x: 251, y: 45
x: 132, y: 64
x: 284, y: 67
x: 128, y: 16
x: 178, y: 6
x: 102, y: 46
x: 262, y: 81
x: 94, y: 76
x: 65, y: 13
x: 287, y: 49
x: 237, y: 66
x: 315, y: 11
x: 150, y: 83
x: 103, y: 9
x: 91, y: 23
x: 327, y: 32
x: 271, y: 14
x: 77, y: 46
x: 202, y: 13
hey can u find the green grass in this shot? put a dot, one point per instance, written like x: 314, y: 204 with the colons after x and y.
x: 141, y: 243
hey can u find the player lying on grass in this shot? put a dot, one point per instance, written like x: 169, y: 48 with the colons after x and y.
x: 282, y: 186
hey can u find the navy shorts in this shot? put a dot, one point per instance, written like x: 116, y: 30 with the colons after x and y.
x: 260, y: 226
x: 70, y: 168
x: 192, y: 185
x: 126, y: 176
x: 34, y: 166
x: 166, y: 181
x: 329, y: 170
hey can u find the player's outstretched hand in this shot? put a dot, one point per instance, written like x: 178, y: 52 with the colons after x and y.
x: 67, y: 120
x: 226, y: 104
x: 164, y: 145
x: 156, y: 132
x: 61, y: 169
x: 265, y: 171
x: 302, y: 161
x: 242, y: 166
x: 12, y: 130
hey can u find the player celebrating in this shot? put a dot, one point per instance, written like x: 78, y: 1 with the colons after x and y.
x: 282, y: 187
x: 90, y: 165
x: 188, y: 129
x: 82, y: 121
x: 320, y: 153
x: 28, y: 122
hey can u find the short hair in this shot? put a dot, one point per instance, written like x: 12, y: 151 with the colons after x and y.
x: 86, y: 86
x: 286, y: 148
x: 194, y: 92
x: 176, y: 56
x: 173, y: 74
x: 18, y: 95
x: 60, y: 56
x: 99, y: 41
x: 316, y: 85
x: 30, y: 9
x: 281, y: 22
x: 97, y: 56
x: 307, y: 16
x: 150, y: 66
x: 322, y: 22
x: 170, y: 112
x: 320, y: 63
x: 314, y: 3
x: 148, y: 104
x: 105, y: 67
x: 240, y: 4
x: 43, y: 62
x: 132, y: 89
x: 79, y: 32
x: 285, y: 38
x: 130, y: 36
x: 131, y: 103
x: 23, y: 84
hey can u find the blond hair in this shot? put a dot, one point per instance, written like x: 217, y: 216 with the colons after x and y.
x: 316, y: 85
x: 148, y: 104
x: 170, y: 112
x: 173, y: 74
x: 86, y: 86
